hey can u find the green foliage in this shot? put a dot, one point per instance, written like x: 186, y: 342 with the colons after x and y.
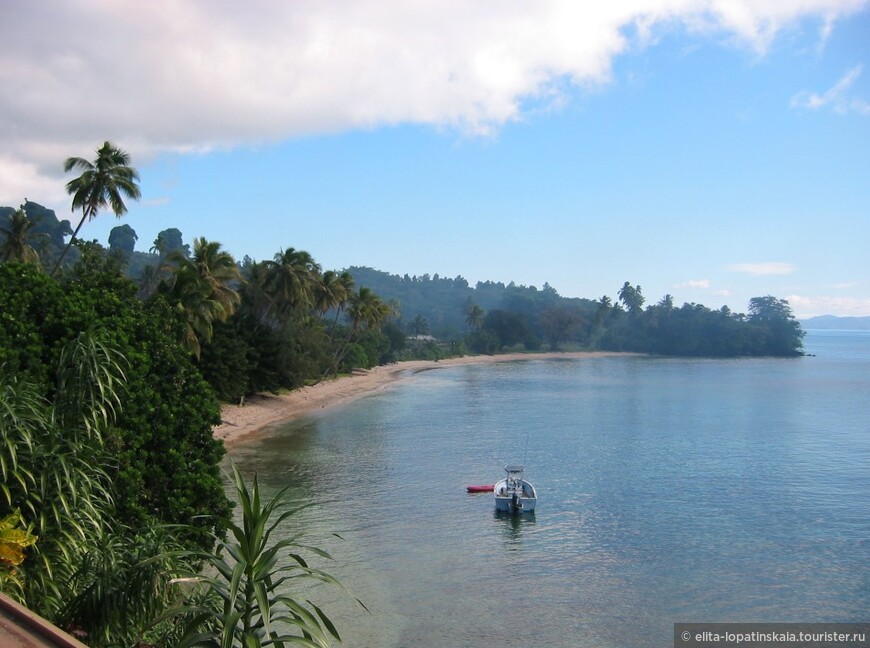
x: 777, y: 331
x: 200, y: 289
x: 482, y: 342
x: 226, y: 362
x: 52, y: 458
x: 253, y: 576
x: 695, y: 330
x: 88, y: 572
x: 163, y: 454
x: 509, y: 329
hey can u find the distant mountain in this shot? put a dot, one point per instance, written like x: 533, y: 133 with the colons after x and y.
x: 833, y: 323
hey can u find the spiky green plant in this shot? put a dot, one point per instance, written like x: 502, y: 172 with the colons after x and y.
x: 51, y: 458
x: 253, y: 574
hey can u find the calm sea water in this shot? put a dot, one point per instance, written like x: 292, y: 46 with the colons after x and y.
x: 669, y: 491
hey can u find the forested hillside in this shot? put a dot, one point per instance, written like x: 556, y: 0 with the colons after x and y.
x: 492, y: 317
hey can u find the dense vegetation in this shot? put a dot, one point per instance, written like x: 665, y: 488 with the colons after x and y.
x: 492, y: 317
x: 110, y: 480
x: 113, y: 363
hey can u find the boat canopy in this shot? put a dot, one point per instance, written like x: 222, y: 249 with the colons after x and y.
x: 515, y: 468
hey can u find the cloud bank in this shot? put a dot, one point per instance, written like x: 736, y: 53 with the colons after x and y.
x: 198, y: 75
x: 810, y: 306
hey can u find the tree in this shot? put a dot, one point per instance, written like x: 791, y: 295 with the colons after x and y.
x: 632, y: 298
x: 474, y: 315
x: 293, y: 275
x: 420, y: 326
x: 508, y: 328
x: 164, y: 461
x: 367, y: 310
x: 15, y: 245
x: 778, y: 332
x: 201, y: 289
x: 331, y: 291
x: 102, y: 184
x: 558, y: 324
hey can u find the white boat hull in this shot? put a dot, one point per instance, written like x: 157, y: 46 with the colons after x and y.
x: 515, y: 500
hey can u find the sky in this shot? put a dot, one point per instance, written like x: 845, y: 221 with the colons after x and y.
x: 713, y: 150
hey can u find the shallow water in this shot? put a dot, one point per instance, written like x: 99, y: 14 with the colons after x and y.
x: 670, y: 490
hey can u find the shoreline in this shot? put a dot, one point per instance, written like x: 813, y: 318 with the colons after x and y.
x: 240, y: 422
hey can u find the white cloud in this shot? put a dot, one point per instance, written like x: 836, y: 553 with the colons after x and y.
x: 837, y: 97
x: 806, y: 306
x: 195, y: 76
x: 694, y: 283
x: 764, y: 268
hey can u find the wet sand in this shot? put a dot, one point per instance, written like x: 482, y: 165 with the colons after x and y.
x: 261, y: 411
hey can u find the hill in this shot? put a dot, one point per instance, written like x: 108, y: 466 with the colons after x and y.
x: 443, y: 302
x: 833, y: 323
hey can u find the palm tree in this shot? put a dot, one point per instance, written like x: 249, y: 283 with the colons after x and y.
x: 604, y: 306
x: 329, y: 292
x: 202, y: 289
x: 256, y: 289
x: 218, y: 269
x: 102, y: 184
x: 420, y: 326
x: 474, y: 315
x: 292, y: 277
x: 148, y: 281
x: 632, y: 298
x: 15, y: 245
x: 367, y: 310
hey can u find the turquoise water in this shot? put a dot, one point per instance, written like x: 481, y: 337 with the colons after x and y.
x: 670, y: 490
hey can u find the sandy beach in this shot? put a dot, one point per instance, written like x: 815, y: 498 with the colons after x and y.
x: 258, y: 412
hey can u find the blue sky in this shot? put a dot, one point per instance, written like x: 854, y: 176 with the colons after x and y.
x: 714, y: 151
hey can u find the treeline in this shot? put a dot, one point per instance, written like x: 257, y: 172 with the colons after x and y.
x: 492, y: 317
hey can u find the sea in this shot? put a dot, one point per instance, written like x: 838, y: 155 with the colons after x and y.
x: 669, y: 491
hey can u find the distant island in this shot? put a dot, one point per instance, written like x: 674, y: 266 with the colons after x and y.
x: 834, y: 323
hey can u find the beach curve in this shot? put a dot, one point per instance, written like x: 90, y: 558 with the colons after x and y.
x: 258, y: 412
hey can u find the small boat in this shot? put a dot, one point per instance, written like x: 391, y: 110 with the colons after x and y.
x: 480, y: 488
x: 513, y: 493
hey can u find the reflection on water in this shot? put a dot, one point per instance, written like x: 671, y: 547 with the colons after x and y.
x: 512, y: 525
